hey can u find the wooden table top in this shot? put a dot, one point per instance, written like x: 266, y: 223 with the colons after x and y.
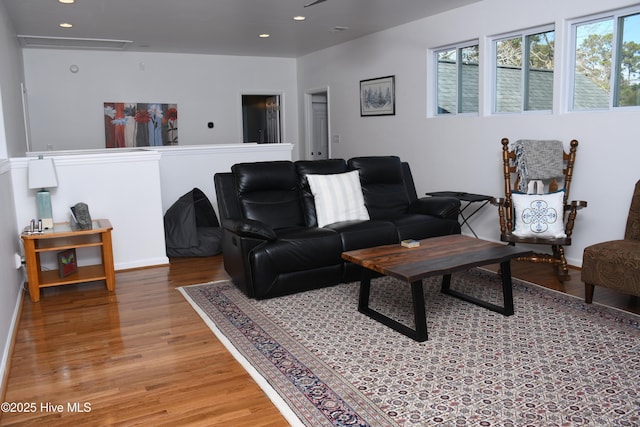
x: 434, y: 257
x: 62, y: 229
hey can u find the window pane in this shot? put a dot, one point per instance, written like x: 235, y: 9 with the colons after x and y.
x: 509, y: 75
x: 628, y: 63
x: 447, y: 83
x: 593, y: 65
x: 469, y: 79
x: 539, y: 83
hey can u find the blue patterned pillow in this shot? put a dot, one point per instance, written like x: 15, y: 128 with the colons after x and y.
x: 539, y: 215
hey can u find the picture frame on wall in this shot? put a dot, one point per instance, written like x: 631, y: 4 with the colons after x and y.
x: 139, y: 124
x: 378, y: 96
x: 67, y: 262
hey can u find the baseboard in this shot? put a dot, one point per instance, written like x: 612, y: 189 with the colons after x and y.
x: 148, y: 262
x: 5, y: 365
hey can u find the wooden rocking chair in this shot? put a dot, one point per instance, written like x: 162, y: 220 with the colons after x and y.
x: 538, y: 211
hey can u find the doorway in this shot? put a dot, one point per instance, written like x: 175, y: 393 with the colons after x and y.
x: 317, y: 107
x: 261, y: 119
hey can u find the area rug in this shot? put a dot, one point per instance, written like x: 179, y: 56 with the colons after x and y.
x: 555, y: 362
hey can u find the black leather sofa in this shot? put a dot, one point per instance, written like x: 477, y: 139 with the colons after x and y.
x: 271, y: 243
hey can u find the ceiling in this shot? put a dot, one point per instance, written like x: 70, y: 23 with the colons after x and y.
x: 221, y: 27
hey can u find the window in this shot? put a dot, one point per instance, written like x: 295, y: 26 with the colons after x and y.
x: 606, y: 62
x: 529, y: 87
x: 457, y: 79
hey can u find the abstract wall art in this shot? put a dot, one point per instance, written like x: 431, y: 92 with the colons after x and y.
x: 131, y: 124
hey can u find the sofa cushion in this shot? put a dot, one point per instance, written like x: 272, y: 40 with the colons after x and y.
x: 299, y: 249
x: 383, y: 186
x: 268, y: 192
x: 338, y: 197
x: 301, y: 258
x: 365, y: 234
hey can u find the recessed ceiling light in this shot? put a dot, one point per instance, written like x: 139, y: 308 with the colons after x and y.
x: 264, y: 35
x: 299, y: 18
x: 66, y: 25
x: 66, y: 1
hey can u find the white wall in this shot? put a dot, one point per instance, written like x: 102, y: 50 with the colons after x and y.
x: 123, y: 187
x: 11, y: 137
x: 11, y: 75
x: 66, y: 109
x: 10, y: 288
x: 464, y: 153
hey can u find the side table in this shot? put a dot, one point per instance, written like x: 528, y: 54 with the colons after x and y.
x: 61, y: 237
x: 469, y: 198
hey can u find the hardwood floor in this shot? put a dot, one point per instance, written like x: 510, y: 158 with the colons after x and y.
x: 142, y: 356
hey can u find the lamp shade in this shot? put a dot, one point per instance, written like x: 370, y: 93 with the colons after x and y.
x: 42, y: 173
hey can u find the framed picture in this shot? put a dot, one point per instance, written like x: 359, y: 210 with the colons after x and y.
x: 67, y: 263
x: 137, y: 124
x: 378, y: 96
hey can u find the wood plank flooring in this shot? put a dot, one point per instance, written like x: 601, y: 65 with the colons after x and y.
x: 142, y: 356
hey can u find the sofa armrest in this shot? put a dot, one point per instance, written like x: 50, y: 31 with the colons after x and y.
x: 442, y: 207
x: 249, y: 228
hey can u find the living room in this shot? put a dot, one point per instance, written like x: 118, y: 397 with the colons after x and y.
x: 446, y: 153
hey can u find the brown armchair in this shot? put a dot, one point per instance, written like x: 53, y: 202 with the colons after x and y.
x: 615, y: 264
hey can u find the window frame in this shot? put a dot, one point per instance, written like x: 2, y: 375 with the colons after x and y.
x: 433, y: 65
x: 572, y: 25
x: 524, y: 68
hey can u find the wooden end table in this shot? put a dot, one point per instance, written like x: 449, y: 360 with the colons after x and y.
x: 63, y: 236
x: 434, y: 257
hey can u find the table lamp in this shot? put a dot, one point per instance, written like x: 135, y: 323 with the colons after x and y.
x: 42, y: 175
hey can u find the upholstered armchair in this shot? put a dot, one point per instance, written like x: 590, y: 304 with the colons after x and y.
x: 615, y: 264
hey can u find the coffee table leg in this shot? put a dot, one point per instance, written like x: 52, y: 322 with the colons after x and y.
x: 507, y: 292
x: 446, y: 284
x: 365, y: 287
x: 419, y: 313
x: 507, y: 287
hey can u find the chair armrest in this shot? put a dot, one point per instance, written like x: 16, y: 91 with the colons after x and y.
x: 573, y: 208
x: 506, y: 224
x: 498, y: 201
x: 575, y: 205
x: 443, y: 207
x: 249, y: 228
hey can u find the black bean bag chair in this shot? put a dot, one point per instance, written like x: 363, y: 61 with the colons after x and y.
x: 191, y: 227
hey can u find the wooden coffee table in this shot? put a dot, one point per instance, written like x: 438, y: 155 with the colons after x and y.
x: 434, y: 257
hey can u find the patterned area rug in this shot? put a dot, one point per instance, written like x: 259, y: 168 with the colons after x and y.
x: 556, y: 362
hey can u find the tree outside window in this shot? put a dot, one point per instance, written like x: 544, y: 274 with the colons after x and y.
x: 524, y: 88
x: 607, y: 63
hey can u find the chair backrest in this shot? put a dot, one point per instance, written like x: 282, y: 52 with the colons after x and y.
x: 512, y: 179
x: 632, y: 231
x: 383, y: 185
x: 268, y: 192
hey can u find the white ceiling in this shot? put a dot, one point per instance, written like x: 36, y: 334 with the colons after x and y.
x: 223, y: 27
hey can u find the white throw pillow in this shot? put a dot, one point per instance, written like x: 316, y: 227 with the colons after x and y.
x: 539, y: 215
x: 338, y: 197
